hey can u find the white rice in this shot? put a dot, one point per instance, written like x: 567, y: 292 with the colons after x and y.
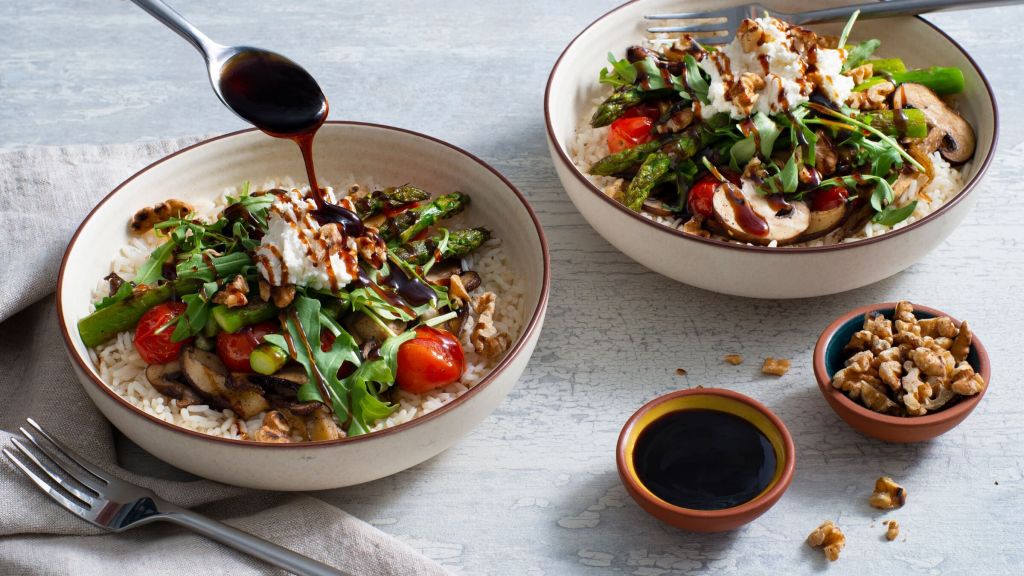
x: 591, y: 144
x: 123, y: 370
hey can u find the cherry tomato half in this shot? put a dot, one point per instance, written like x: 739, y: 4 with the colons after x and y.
x: 234, y: 349
x: 700, y: 200
x: 153, y: 333
x: 629, y: 132
x: 432, y: 359
x: 829, y: 198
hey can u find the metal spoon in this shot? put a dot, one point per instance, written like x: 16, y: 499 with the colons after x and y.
x: 264, y: 88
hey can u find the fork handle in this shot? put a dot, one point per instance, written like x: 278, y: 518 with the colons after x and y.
x: 894, y: 8
x: 253, y: 545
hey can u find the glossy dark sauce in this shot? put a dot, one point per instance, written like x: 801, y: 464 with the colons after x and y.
x: 409, y: 289
x: 273, y: 93
x: 704, y: 459
x: 750, y: 221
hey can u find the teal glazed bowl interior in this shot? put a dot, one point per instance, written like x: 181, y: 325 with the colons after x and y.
x: 829, y: 358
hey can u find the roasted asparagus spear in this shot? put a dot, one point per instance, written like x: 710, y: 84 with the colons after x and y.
x: 460, y: 243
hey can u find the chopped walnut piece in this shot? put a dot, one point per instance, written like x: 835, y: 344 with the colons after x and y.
x: 282, y: 295
x: 694, y: 226
x: 457, y: 291
x: 233, y: 294
x: 734, y: 359
x: 961, y: 346
x: 888, y: 494
x: 878, y: 325
x: 264, y: 290
x: 874, y: 398
x: 745, y: 92
x: 965, y: 381
x: 829, y: 538
x: 874, y: 98
x: 275, y: 429
x: 144, y: 220
x: 861, y: 73
x: 775, y: 366
x: 932, y: 363
x: 935, y: 327
x: 751, y: 35
x: 892, y: 531
x: 485, y: 336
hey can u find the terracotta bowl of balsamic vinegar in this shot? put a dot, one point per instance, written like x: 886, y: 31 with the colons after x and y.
x: 705, y: 459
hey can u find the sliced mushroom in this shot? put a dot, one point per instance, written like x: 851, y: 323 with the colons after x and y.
x: 284, y: 382
x: 955, y: 138
x: 824, y: 221
x: 657, y: 207
x: 444, y: 269
x: 365, y: 328
x: 210, y: 377
x: 169, y: 381
x: 825, y: 155
x: 320, y: 425
x: 785, y: 223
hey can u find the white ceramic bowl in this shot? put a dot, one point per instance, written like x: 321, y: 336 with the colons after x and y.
x: 363, y: 150
x: 753, y: 271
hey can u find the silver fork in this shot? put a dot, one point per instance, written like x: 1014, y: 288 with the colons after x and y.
x: 719, y: 26
x: 100, y: 499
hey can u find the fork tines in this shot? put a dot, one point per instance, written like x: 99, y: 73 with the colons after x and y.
x: 710, y: 27
x: 72, y: 482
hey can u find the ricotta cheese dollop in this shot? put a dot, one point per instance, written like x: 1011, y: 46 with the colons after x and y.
x: 788, y: 59
x: 296, y: 249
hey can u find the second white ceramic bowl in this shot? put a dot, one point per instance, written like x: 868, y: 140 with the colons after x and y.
x: 365, y: 151
x: 754, y: 271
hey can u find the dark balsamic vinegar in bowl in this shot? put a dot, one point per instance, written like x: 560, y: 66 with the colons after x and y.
x: 704, y: 459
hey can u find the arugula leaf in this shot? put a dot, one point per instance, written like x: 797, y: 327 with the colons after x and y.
x: 197, y: 313
x: 152, y: 269
x: 124, y: 291
x: 622, y: 73
x: 847, y: 29
x: 366, y: 407
x: 655, y: 80
x: 790, y: 176
x: 891, y: 216
x: 695, y: 80
x: 859, y: 53
x: 209, y: 268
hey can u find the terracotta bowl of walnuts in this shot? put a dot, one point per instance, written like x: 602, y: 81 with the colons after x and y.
x: 901, y: 372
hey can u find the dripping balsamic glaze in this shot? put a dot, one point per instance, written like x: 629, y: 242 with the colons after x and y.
x: 412, y: 290
x: 750, y: 221
x: 704, y: 459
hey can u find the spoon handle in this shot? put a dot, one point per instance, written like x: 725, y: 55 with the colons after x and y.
x: 170, y: 18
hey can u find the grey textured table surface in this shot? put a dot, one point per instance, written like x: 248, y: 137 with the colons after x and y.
x: 533, y: 490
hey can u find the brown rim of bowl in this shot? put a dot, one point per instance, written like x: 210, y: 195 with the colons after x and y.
x: 531, y: 326
x: 785, y: 478
x: 967, y: 189
x: 825, y: 382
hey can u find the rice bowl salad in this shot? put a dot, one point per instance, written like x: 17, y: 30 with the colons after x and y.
x: 274, y: 315
x: 781, y: 138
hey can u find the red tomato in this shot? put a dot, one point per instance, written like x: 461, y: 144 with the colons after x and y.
x: 829, y: 198
x: 702, y: 193
x: 234, y: 349
x: 153, y: 333
x: 431, y: 360
x: 326, y: 340
x: 629, y: 132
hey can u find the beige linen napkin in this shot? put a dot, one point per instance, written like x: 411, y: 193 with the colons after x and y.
x: 44, y: 194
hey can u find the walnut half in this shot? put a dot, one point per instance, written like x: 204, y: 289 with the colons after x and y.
x: 829, y: 538
x: 888, y: 494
